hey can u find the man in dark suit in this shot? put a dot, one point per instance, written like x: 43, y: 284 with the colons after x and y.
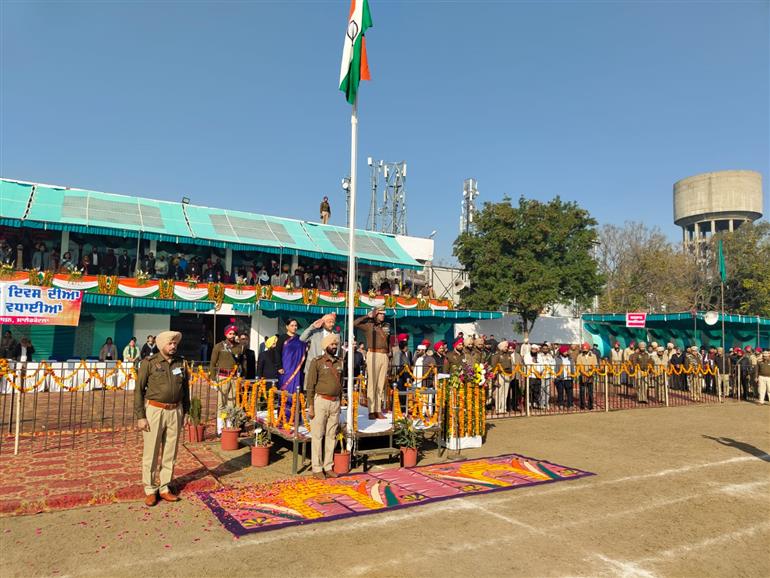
x: 249, y: 357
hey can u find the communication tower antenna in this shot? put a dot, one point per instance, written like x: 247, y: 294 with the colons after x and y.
x: 468, y: 207
x: 391, y: 215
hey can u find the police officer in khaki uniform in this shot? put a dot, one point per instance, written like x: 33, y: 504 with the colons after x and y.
x: 161, y: 403
x: 226, y: 356
x: 324, y: 390
x: 377, y: 358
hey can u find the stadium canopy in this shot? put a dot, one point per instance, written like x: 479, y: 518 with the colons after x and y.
x: 682, y: 329
x: 41, y: 206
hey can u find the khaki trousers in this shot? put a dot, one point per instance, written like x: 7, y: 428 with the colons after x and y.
x: 723, y: 381
x: 225, y: 398
x: 764, y: 387
x: 501, y: 393
x: 165, y: 425
x: 641, y: 388
x: 377, y: 373
x: 324, y: 217
x: 323, y: 430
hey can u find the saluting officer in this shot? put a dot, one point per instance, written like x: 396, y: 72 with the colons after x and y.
x: 324, y: 390
x: 161, y: 403
x: 226, y: 356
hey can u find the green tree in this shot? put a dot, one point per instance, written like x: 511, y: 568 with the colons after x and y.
x: 528, y: 257
x: 747, y: 260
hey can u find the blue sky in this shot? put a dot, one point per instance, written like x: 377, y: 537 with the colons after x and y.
x: 236, y: 103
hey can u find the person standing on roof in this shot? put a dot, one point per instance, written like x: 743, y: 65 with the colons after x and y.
x: 326, y: 210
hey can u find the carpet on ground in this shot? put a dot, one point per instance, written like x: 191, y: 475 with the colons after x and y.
x: 303, y: 500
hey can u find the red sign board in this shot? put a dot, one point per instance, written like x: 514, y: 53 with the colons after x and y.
x: 636, y: 320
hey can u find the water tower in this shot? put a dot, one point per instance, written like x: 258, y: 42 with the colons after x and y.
x: 712, y: 202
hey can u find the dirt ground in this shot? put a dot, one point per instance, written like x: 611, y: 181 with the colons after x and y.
x: 678, y: 492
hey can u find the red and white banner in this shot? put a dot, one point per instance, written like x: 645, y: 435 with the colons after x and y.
x: 636, y: 320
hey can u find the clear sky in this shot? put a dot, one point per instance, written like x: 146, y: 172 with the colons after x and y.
x: 236, y: 104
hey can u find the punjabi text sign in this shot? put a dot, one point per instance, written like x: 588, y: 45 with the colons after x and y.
x: 636, y: 320
x: 28, y: 305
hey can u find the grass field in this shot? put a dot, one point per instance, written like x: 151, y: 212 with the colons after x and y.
x: 678, y: 492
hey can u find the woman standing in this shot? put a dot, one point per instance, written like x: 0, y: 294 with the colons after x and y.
x: 131, y: 353
x: 292, y: 359
x: 108, y: 352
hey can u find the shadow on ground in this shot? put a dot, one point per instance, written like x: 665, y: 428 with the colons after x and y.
x: 743, y: 446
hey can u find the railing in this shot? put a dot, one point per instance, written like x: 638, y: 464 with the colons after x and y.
x: 55, y: 405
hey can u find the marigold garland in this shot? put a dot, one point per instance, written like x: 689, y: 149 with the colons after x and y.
x: 107, y: 284
x: 216, y: 294
x: 165, y: 288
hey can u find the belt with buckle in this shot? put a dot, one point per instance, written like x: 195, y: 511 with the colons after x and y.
x: 328, y: 397
x: 377, y: 350
x: 154, y: 403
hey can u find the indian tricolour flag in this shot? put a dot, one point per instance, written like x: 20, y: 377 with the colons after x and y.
x: 355, y: 67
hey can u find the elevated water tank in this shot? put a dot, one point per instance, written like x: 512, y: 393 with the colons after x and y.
x: 721, y: 201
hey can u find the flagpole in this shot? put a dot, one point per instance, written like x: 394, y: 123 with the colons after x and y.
x: 722, y: 287
x: 352, y: 266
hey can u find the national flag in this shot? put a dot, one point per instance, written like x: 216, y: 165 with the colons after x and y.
x: 355, y: 66
x: 722, y: 269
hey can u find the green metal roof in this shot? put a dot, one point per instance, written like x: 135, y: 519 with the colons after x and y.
x: 94, y: 212
x: 671, y: 317
x: 13, y: 199
x: 248, y: 229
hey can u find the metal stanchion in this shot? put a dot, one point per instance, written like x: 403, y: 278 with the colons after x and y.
x: 18, y: 425
x: 295, y: 437
x: 526, y: 394
x: 607, y: 391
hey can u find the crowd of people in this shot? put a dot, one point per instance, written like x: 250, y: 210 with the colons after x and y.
x: 252, y: 270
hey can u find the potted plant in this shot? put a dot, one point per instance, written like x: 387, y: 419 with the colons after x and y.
x: 260, y: 452
x: 408, y: 438
x: 234, y: 417
x: 195, y: 430
x: 342, y: 457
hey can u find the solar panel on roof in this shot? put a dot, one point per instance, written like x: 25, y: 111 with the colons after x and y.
x: 260, y: 229
x: 114, y: 212
x: 257, y: 229
x: 364, y: 244
x: 151, y: 217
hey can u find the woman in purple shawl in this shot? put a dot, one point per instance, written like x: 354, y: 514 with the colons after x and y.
x: 292, y: 359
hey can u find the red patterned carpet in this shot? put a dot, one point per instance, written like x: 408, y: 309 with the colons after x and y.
x: 97, y: 474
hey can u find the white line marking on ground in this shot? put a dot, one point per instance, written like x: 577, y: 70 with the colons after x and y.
x: 594, y: 483
x: 508, y: 519
x: 384, y: 519
x: 623, y: 513
x: 741, y: 490
x: 626, y: 569
x: 298, y: 532
x: 679, y: 551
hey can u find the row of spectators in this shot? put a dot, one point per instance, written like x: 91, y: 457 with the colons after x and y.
x: 322, y: 275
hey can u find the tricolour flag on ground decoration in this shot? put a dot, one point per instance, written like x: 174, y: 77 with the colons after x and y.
x: 355, y: 67
x: 722, y: 269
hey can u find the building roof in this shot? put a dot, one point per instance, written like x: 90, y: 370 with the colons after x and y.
x: 63, y: 208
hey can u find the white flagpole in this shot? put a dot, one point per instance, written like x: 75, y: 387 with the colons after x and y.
x: 352, y: 265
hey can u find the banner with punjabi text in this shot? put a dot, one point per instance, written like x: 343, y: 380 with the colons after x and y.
x: 30, y: 305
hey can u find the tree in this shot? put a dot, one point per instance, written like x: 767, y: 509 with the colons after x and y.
x: 747, y: 260
x: 527, y: 257
x: 644, y: 271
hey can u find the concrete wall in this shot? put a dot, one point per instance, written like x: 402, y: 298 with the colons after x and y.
x: 552, y: 329
x: 261, y: 328
x: 145, y: 325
